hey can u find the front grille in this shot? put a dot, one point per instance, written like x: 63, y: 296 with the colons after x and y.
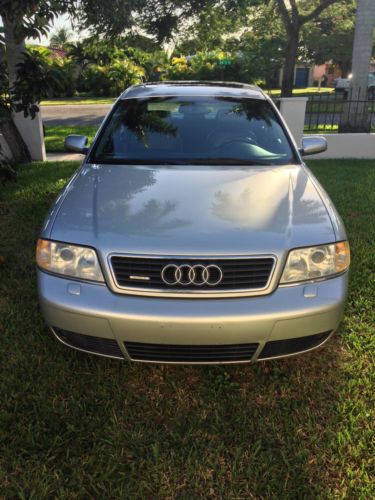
x: 292, y: 346
x: 191, y: 353
x: 97, y: 345
x: 238, y: 274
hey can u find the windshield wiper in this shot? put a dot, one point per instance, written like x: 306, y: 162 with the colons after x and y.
x: 229, y: 161
x: 140, y: 161
x: 187, y: 161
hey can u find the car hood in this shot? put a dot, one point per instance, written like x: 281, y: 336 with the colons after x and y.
x: 190, y: 210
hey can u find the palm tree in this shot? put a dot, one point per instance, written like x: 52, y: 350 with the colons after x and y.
x: 60, y: 38
x: 356, y: 114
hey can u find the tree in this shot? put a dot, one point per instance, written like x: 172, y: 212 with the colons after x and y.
x: 262, y: 44
x: 27, y: 18
x: 32, y: 18
x: 294, y: 17
x: 60, y: 38
x: 207, y: 30
x: 356, y: 117
x: 330, y: 37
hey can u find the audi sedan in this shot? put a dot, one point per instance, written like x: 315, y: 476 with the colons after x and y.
x: 193, y: 232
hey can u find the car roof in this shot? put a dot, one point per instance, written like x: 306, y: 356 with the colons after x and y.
x: 192, y: 88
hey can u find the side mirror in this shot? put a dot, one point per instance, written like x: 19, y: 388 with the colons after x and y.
x: 76, y: 143
x: 313, y: 145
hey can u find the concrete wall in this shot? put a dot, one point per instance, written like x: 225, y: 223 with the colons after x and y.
x: 358, y: 146
x: 354, y: 146
x: 31, y: 131
x: 293, y: 110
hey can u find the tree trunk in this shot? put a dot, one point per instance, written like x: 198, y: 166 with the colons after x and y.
x: 15, y: 47
x: 290, y: 63
x: 355, y: 114
x: 18, y: 148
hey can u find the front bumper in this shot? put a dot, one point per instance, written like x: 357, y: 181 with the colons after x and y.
x: 288, y: 313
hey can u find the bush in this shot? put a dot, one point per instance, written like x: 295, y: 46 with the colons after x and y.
x: 94, y: 80
x: 122, y: 74
x: 209, y: 66
x: 112, y: 79
x: 68, y: 72
x: 61, y: 70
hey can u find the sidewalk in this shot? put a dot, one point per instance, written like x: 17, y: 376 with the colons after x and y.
x: 64, y: 157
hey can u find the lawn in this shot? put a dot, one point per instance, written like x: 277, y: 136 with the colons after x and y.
x: 78, y: 426
x: 304, y: 92
x: 63, y: 101
x: 55, y: 135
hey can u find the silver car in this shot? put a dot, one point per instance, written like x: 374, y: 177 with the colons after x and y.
x: 193, y: 233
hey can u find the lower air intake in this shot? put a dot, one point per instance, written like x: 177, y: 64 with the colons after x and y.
x: 227, y: 353
x: 292, y: 346
x: 96, y: 345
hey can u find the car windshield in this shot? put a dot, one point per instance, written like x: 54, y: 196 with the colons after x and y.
x: 193, y: 130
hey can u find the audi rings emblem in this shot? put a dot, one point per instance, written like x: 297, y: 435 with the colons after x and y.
x: 198, y: 275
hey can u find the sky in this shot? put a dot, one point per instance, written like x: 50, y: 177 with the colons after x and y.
x: 60, y: 21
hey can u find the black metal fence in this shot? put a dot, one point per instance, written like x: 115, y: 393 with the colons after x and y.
x: 340, y: 112
x: 337, y: 112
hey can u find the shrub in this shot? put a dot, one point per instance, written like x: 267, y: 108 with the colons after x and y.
x: 122, y: 74
x: 94, y: 80
x: 206, y: 66
x: 112, y: 79
x: 61, y: 70
x: 68, y: 72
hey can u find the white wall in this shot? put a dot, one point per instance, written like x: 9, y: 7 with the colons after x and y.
x: 354, y: 146
x: 348, y: 146
x: 293, y: 111
x: 32, y: 133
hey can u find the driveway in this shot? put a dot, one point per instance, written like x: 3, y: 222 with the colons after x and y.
x: 76, y: 114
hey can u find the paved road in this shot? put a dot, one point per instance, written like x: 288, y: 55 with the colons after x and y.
x: 93, y: 114
x: 77, y: 114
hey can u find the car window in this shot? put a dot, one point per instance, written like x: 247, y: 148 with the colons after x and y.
x: 197, y: 130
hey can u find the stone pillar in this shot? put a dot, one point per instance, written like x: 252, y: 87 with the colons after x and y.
x: 293, y: 110
x: 31, y: 131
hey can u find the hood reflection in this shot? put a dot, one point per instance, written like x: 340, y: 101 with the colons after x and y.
x: 192, y: 209
x: 270, y: 200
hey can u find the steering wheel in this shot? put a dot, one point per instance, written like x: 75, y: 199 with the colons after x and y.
x: 236, y: 140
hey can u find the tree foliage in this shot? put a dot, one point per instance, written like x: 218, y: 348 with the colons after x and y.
x: 35, y: 17
x: 294, y: 16
x: 330, y: 38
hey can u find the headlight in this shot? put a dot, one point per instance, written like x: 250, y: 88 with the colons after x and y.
x: 316, y: 262
x: 68, y: 260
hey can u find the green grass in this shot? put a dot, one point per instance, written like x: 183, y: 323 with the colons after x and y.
x: 78, y: 426
x: 55, y: 135
x: 324, y: 129
x: 321, y: 129
x: 63, y: 101
x: 77, y: 100
x: 305, y: 91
